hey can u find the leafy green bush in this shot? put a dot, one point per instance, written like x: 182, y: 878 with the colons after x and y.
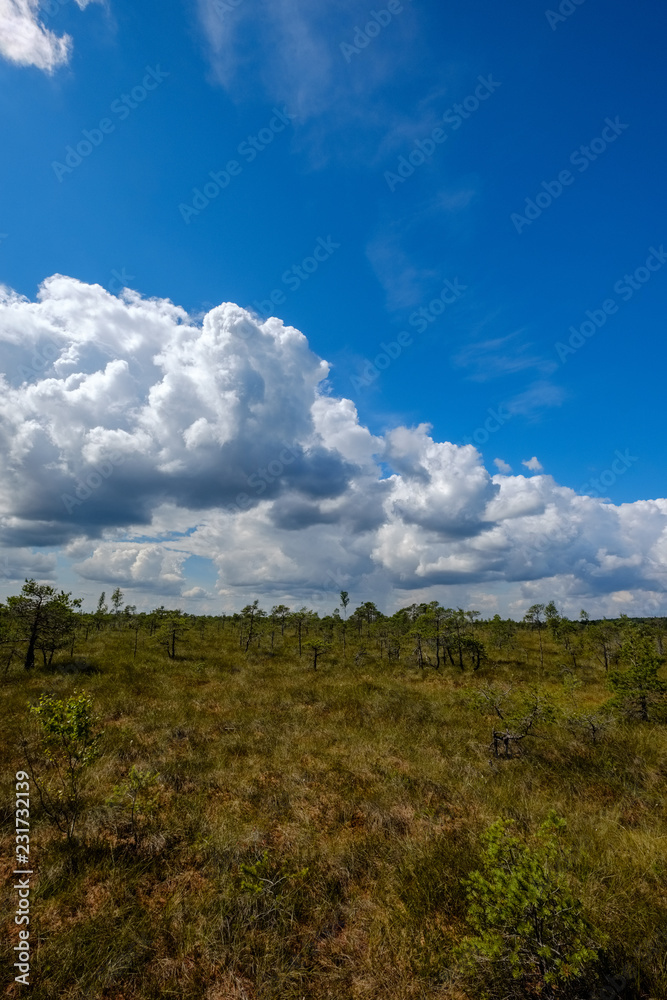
x: 69, y: 747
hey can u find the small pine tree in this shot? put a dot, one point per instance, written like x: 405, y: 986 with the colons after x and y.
x: 43, y: 619
x: 552, y: 616
x: 317, y: 647
x: 173, y: 627
x: 639, y: 687
x: 502, y: 633
x: 534, y: 618
x: 141, y: 788
x: 252, y: 614
x: 530, y: 937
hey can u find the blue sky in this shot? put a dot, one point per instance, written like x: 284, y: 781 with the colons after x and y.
x: 472, y: 309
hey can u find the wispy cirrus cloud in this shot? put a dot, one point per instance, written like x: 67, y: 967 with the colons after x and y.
x: 500, y: 356
x: 540, y: 395
x: 290, y: 51
x: 285, y: 39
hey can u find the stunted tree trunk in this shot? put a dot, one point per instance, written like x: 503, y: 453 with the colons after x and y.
x: 9, y: 662
x: 29, y: 661
x: 420, y: 653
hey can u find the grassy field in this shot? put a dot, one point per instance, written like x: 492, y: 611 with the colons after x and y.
x: 306, y: 834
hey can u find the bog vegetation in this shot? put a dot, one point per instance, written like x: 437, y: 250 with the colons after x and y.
x: 276, y: 804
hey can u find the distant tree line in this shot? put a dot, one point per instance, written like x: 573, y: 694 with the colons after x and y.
x: 41, y: 621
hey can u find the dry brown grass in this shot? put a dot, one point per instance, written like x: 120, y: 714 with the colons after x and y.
x: 378, y: 780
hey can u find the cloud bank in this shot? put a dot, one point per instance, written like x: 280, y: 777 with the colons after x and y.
x: 136, y: 443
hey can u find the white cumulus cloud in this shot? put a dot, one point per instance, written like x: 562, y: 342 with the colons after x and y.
x: 133, y: 438
x: 533, y: 464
